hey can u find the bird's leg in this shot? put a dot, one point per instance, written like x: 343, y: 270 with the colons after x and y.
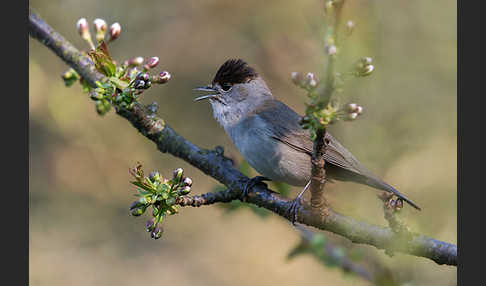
x: 251, y: 183
x: 296, y: 203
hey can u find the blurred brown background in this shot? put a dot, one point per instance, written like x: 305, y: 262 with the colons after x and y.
x: 80, y: 229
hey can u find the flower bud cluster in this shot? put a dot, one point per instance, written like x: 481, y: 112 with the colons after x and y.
x: 100, y: 27
x: 142, y: 80
x: 159, y: 193
x: 70, y: 76
x: 317, y: 117
x: 307, y: 82
x: 392, y: 204
x: 352, y: 111
x: 125, y: 81
x: 364, y: 67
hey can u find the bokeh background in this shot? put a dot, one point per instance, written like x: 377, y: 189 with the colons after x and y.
x: 80, y: 229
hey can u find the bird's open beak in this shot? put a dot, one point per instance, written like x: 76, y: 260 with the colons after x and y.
x: 207, y: 89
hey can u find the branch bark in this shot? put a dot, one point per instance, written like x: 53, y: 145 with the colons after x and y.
x: 318, y: 173
x: 215, y: 164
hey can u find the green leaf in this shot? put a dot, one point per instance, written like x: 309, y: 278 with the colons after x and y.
x: 102, y: 60
x: 142, y: 192
x: 143, y: 186
x: 120, y: 84
x: 162, y: 188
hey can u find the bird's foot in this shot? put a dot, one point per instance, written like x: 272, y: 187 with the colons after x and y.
x: 251, y: 183
x: 295, y: 204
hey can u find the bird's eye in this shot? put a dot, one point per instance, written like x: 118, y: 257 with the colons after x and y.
x: 226, y: 86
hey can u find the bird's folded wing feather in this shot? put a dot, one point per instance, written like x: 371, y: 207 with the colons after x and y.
x: 286, y: 129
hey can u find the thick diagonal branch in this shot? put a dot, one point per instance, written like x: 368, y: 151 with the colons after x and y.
x: 216, y: 165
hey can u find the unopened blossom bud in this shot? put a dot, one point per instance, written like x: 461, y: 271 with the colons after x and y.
x: 115, y: 30
x: 82, y: 26
x: 144, y: 200
x: 311, y: 80
x: 178, y: 174
x: 331, y: 50
x: 399, y: 204
x: 95, y: 95
x: 143, y: 76
x: 137, y: 211
x: 364, y: 67
x: 304, y: 120
x: 83, y: 29
x: 135, y: 61
x: 187, y: 181
x: 154, y: 176
x: 185, y: 190
x: 164, y: 77
x: 70, y: 77
x: 359, y: 109
x: 148, y: 84
x: 156, y: 233
x: 366, y: 60
x: 297, y: 78
x: 100, y: 27
x: 352, y: 116
x: 152, y: 62
x: 349, y: 27
x: 149, y: 225
x: 352, y: 107
x: 139, y: 84
x: 367, y: 70
x: 134, y: 205
x: 328, y: 7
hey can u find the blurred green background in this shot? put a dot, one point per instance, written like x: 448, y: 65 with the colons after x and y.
x: 80, y: 229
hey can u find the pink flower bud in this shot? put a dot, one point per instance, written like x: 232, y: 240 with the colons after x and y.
x: 311, y: 80
x: 83, y: 30
x: 331, y: 50
x: 100, y: 27
x: 349, y: 27
x: 297, y: 78
x: 100, y: 24
x: 135, y: 61
x: 162, y: 78
x: 153, y: 62
x: 352, y: 107
x: 115, y: 30
x: 352, y: 116
x: 82, y: 26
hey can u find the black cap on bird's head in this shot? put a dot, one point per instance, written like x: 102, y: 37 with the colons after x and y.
x: 234, y: 71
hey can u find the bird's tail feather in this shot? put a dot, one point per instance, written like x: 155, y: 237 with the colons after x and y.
x: 379, y: 184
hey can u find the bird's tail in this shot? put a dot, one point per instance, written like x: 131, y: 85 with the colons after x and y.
x: 379, y: 184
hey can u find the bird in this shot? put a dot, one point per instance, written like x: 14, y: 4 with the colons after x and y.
x: 269, y: 136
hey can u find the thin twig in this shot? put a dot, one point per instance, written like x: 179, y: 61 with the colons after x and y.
x: 325, y: 92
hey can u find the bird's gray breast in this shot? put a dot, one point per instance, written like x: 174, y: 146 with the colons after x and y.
x: 270, y: 157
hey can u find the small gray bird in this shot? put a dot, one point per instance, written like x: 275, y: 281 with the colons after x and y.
x: 268, y: 135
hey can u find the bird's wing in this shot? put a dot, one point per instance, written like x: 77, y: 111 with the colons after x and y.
x: 285, y: 127
x: 284, y: 123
